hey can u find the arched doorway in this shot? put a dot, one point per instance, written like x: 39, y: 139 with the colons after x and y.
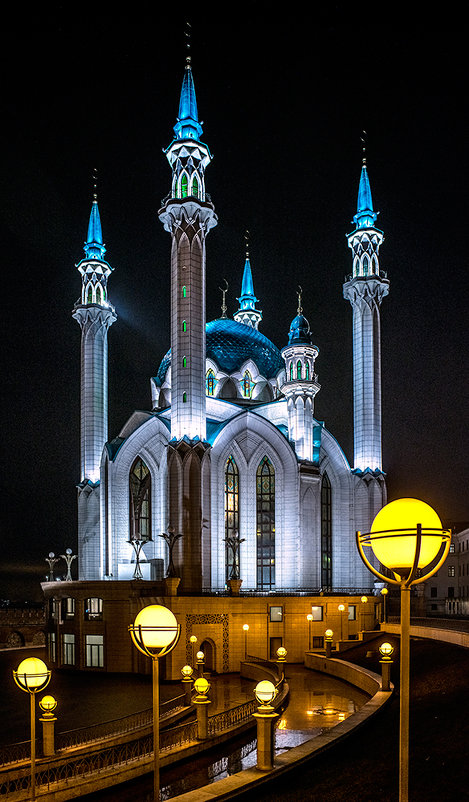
x: 208, y: 648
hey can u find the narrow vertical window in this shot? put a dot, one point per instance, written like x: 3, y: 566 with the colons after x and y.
x: 247, y: 385
x: 210, y: 382
x: 307, y: 371
x: 326, y: 533
x: 184, y: 292
x: 365, y: 265
x: 298, y: 370
x: 184, y: 325
x: 291, y: 371
x: 98, y: 295
x: 231, y: 516
x: 89, y: 299
x: 184, y: 362
x: 195, y: 187
x: 184, y: 398
x: 265, y: 529
x: 184, y: 186
x: 140, y: 501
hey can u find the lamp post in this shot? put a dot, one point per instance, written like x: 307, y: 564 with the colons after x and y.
x: 187, y: 672
x: 200, y: 664
x: 364, y: 600
x: 265, y: 692
x: 246, y: 630
x: 32, y: 675
x: 309, y: 619
x: 281, y: 660
x: 384, y: 594
x: 341, y: 609
x: 407, y: 538
x: 202, y: 686
x: 386, y: 649
x: 48, y: 705
x: 155, y: 632
x: 328, y: 636
x: 193, y: 641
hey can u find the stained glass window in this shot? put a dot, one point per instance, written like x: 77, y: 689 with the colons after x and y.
x: 98, y: 295
x: 291, y: 371
x: 140, y: 501
x: 184, y: 362
x: 184, y: 325
x: 184, y: 291
x: 195, y: 187
x: 89, y: 299
x: 247, y: 385
x: 210, y: 382
x: 326, y: 533
x: 298, y: 370
x: 184, y: 186
x: 265, y: 530
x: 307, y: 371
x: 231, y: 513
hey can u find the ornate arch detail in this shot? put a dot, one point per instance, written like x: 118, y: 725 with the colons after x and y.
x: 139, y: 501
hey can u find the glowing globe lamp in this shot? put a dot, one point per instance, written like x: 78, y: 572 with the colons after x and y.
x: 193, y: 638
x: 187, y: 671
x: 202, y: 686
x: 32, y: 675
x: 394, y: 534
x: 200, y: 656
x: 309, y: 617
x: 265, y: 692
x: 281, y: 653
x: 364, y: 599
x: 341, y: 608
x: 386, y: 649
x: 156, y: 629
x: 48, y: 705
x: 246, y: 627
x: 329, y: 633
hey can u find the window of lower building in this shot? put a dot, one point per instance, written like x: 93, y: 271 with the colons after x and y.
x: 68, y: 607
x: 94, y: 651
x: 93, y: 609
x: 68, y: 642
x: 275, y: 644
x: 52, y: 647
x: 451, y: 571
x: 276, y: 613
x: 318, y: 642
x: 317, y: 613
x: 352, y: 612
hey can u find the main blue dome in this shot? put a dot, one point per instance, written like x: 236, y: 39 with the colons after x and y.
x: 229, y: 344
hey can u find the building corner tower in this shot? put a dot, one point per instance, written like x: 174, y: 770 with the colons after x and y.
x: 188, y: 215
x: 95, y: 315
x: 247, y: 312
x: 365, y: 289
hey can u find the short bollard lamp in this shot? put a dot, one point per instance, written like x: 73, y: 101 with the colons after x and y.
x: 155, y: 632
x: 281, y: 660
x: 265, y: 693
x: 193, y: 641
x: 200, y: 663
x: 48, y: 705
x: 407, y: 538
x: 309, y: 619
x: 386, y: 650
x: 187, y: 672
x: 32, y: 676
x: 328, y: 635
x: 364, y: 601
x: 384, y: 592
x: 202, y: 687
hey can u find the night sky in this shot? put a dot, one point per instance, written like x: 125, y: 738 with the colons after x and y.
x: 284, y: 98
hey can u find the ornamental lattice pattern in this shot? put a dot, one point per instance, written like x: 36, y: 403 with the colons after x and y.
x: 209, y: 618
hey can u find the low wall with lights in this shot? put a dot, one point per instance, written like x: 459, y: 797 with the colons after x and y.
x: 434, y: 633
x: 367, y: 681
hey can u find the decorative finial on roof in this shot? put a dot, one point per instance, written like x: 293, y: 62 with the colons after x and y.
x: 223, y: 291
x: 246, y: 237
x: 363, y: 139
x: 95, y: 184
x: 187, y: 34
x: 299, y: 293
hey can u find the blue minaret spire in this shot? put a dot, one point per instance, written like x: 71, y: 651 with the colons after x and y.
x: 365, y: 289
x: 94, y: 246
x: 187, y: 125
x: 247, y: 312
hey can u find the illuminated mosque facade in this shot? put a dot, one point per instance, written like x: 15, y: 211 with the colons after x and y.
x: 231, y: 451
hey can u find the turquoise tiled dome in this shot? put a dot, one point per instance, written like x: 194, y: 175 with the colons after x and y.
x: 229, y: 344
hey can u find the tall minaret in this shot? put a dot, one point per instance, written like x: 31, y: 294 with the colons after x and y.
x: 188, y: 216
x: 301, y: 384
x: 95, y: 315
x: 247, y: 312
x: 365, y: 289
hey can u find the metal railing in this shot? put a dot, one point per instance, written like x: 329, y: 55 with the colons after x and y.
x: 317, y: 591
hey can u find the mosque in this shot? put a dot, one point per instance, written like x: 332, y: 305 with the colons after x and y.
x: 228, y: 483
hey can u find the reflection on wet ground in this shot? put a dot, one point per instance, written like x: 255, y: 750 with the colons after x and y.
x: 316, y: 703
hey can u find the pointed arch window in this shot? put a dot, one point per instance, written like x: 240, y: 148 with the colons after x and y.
x: 184, y: 326
x: 210, y: 382
x: 307, y: 371
x: 98, y: 295
x: 184, y: 186
x: 326, y: 533
x: 231, y: 517
x: 184, y: 291
x: 184, y: 362
x: 365, y: 265
x: 265, y: 524
x: 195, y: 187
x: 291, y: 371
x: 247, y: 384
x: 140, y: 501
x: 89, y: 297
x: 298, y: 370
x: 184, y: 398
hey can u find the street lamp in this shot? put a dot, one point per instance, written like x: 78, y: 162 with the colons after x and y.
x: 407, y: 538
x: 32, y: 675
x: 384, y: 593
x: 187, y: 672
x: 341, y: 609
x: 246, y: 630
x: 155, y: 632
x: 193, y: 641
x: 386, y: 649
x: 328, y: 636
x: 364, y: 600
x: 202, y: 687
x: 200, y: 663
x: 309, y: 619
x: 281, y: 660
x: 265, y: 692
x: 48, y: 705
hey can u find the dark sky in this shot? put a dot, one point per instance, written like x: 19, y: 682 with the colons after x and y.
x: 284, y: 98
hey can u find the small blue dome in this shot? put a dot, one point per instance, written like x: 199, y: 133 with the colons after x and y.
x: 229, y: 344
x: 299, y: 333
